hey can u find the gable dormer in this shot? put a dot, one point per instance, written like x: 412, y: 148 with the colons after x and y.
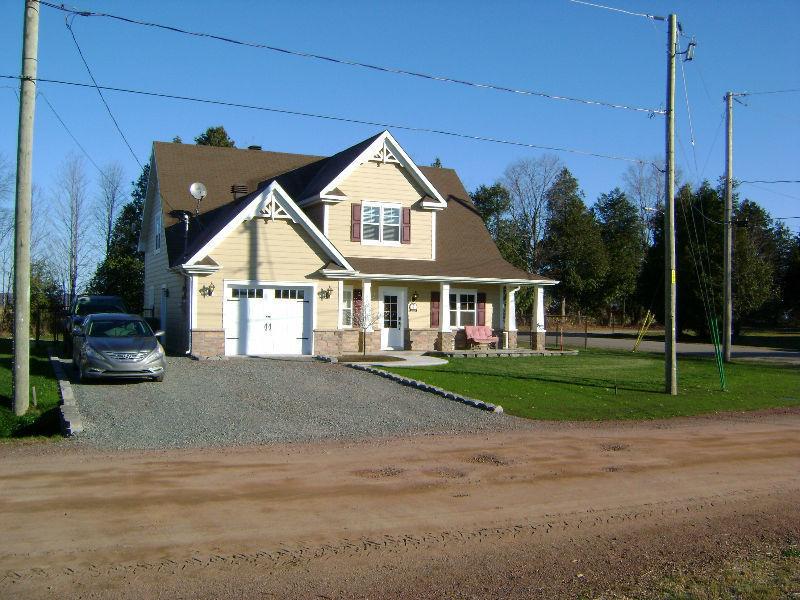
x: 373, y: 201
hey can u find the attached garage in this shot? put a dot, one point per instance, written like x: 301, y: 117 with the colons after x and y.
x: 268, y: 319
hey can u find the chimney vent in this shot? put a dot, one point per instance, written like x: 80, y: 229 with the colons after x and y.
x: 254, y: 147
x: 238, y: 190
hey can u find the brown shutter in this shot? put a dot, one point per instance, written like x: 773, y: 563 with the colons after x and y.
x: 355, y: 222
x: 481, y: 309
x: 405, y: 230
x: 435, y: 298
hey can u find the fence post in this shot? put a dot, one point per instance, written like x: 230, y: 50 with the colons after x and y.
x: 585, y: 333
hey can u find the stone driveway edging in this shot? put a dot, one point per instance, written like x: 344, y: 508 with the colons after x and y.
x: 426, y: 387
x: 71, y: 420
x: 325, y: 358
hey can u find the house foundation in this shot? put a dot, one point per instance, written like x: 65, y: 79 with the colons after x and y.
x: 208, y: 343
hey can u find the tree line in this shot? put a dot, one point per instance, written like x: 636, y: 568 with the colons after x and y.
x: 609, y: 257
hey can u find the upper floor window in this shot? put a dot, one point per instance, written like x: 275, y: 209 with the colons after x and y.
x: 158, y: 227
x: 380, y: 223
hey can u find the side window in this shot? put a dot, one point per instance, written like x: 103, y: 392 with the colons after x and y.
x: 347, y: 306
x: 159, y: 230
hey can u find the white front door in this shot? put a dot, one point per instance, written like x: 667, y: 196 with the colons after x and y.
x: 261, y: 320
x: 393, y: 318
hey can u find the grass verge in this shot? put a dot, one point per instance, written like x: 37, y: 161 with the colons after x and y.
x: 42, y: 420
x: 606, y: 384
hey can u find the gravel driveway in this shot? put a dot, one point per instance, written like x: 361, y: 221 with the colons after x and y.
x: 246, y: 401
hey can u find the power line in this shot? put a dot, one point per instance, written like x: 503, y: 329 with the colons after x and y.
x: 691, y: 126
x: 100, y: 93
x: 297, y: 113
x: 771, y: 191
x: 353, y: 63
x: 768, y: 181
x: 791, y: 91
x: 74, y: 139
x: 611, y: 8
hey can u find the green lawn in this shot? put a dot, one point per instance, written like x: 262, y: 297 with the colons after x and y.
x: 42, y: 420
x: 605, y: 384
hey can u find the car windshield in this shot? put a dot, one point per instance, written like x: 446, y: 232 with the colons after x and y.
x: 117, y: 328
x: 93, y: 309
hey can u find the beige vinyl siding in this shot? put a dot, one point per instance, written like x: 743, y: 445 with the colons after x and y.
x: 265, y: 250
x: 156, y: 276
x: 381, y: 183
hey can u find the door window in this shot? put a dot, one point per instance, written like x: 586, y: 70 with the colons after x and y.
x: 390, y: 315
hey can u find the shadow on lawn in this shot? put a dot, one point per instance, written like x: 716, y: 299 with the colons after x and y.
x: 595, y: 382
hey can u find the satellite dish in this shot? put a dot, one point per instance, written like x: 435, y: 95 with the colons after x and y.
x: 198, y: 190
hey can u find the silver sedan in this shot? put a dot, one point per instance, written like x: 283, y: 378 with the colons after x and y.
x: 119, y: 346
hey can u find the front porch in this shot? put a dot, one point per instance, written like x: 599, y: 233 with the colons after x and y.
x: 381, y: 314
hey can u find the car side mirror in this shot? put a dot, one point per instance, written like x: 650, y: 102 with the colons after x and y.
x: 77, y: 332
x: 160, y: 333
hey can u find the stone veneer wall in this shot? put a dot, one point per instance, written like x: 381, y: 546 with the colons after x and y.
x: 539, y: 340
x: 422, y: 339
x: 512, y: 339
x: 208, y: 342
x: 444, y: 341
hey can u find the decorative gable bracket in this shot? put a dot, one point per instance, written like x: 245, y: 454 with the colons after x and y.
x: 270, y: 208
x: 384, y: 155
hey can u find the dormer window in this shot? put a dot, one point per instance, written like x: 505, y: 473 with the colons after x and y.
x: 380, y: 223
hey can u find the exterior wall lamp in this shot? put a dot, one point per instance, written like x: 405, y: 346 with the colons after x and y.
x: 325, y: 294
x: 207, y: 290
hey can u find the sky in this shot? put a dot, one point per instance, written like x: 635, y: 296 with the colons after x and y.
x: 556, y: 46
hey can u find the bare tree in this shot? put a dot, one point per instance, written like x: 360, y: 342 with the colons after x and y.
x: 645, y: 184
x: 365, y: 319
x: 111, y: 197
x: 70, y: 196
x: 6, y: 230
x: 527, y: 182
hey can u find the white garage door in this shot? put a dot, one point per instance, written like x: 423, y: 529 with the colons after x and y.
x: 261, y: 320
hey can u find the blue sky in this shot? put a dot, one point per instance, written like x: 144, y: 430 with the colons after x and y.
x: 555, y: 46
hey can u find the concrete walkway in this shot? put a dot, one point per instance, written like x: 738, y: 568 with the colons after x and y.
x: 410, y: 358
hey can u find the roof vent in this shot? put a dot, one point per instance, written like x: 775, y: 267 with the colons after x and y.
x: 238, y: 190
x: 254, y: 147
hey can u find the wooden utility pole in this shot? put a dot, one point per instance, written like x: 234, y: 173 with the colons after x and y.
x: 670, y: 359
x: 727, y: 311
x: 22, y: 224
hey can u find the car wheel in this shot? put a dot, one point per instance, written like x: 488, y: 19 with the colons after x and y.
x: 159, y: 379
x: 81, y: 377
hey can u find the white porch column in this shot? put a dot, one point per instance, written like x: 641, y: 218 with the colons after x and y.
x: 538, y: 308
x: 444, y: 307
x: 366, y: 303
x: 510, y: 322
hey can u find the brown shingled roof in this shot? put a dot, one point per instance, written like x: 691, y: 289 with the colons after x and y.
x: 464, y: 247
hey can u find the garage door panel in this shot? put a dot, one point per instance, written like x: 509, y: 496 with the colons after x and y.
x: 267, y: 320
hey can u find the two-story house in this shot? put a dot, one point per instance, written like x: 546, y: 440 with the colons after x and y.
x: 296, y: 254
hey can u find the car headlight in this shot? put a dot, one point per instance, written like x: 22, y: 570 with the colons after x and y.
x: 91, y: 352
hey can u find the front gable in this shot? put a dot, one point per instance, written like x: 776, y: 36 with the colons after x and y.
x: 270, y: 204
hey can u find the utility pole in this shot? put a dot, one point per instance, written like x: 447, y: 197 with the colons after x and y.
x: 727, y: 314
x: 22, y: 223
x: 670, y: 359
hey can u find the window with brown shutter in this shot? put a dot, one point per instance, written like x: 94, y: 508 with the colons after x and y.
x: 355, y: 222
x: 481, y: 308
x: 435, y: 299
x: 405, y: 232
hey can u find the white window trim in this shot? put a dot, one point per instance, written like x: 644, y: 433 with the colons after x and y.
x: 457, y: 309
x: 381, y: 206
x: 342, y: 289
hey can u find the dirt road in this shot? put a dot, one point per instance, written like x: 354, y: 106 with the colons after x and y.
x: 559, y: 510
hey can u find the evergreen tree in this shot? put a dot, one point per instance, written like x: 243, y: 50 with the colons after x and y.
x: 121, y: 273
x: 215, y: 136
x: 492, y: 203
x: 623, y: 235
x: 573, y: 247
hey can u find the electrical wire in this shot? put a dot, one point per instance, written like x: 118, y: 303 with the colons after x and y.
x: 353, y: 63
x: 691, y: 126
x: 67, y: 129
x: 771, y: 191
x: 791, y: 91
x: 384, y: 125
x: 768, y: 180
x: 100, y: 93
x: 713, y: 144
x: 619, y: 10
